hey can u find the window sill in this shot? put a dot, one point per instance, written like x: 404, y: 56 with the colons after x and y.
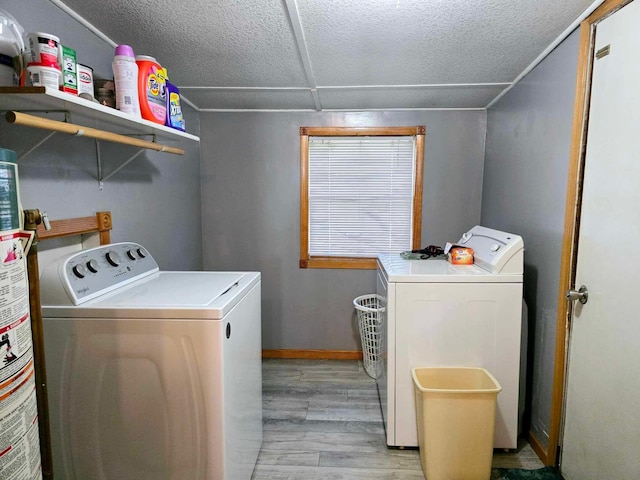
x: 354, y: 263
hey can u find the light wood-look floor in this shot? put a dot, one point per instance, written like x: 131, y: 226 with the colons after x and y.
x: 322, y: 421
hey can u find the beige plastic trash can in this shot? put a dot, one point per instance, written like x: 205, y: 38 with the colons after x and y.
x: 456, y: 414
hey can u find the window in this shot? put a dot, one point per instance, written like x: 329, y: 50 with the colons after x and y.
x: 360, y: 194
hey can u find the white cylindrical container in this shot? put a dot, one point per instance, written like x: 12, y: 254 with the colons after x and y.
x: 85, y: 80
x: 7, y: 74
x: 43, y: 76
x: 125, y: 74
x: 44, y: 48
x: 11, y: 44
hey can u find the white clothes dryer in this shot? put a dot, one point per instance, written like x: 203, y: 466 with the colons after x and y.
x: 439, y: 314
x: 151, y: 375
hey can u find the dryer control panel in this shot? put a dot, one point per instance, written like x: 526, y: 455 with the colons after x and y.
x: 495, y: 251
x: 84, y: 275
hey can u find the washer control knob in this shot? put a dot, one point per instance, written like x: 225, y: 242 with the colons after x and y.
x: 141, y: 252
x: 495, y: 247
x: 79, y: 271
x: 131, y: 254
x: 113, y: 258
x: 466, y: 237
x: 93, y: 266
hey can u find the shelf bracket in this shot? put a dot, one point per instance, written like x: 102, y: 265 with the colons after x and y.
x: 101, y: 178
x: 124, y: 164
x: 152, y: 135
x: 99, y: 164
x: 67, y: 113
x: 36, y: 146
x: 67, y: 119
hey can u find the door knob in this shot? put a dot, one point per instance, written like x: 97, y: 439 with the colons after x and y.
x: 582, y: 295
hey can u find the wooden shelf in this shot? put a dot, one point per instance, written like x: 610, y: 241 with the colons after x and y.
x: 43, y: 99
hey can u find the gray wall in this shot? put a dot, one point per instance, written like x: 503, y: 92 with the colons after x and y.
x: 251, y: 216
x: 525, y: 179
x: 155, y: 200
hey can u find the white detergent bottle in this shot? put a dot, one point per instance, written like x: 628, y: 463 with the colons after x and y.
x: 125, y: 75
x: 11, y: 47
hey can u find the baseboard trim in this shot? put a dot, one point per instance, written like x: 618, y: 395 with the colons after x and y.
x: 313, y: 354
x: 538, y: 448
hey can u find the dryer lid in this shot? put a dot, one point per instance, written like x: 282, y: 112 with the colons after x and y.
x: 400, y: 270
x: 498, y: 258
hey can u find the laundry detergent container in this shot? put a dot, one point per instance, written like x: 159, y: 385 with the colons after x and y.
x: 456, y: 413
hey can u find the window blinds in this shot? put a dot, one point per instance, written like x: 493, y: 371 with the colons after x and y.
x: 360, y: 195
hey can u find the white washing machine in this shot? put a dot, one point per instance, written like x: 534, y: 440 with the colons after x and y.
x: 439, y: 314
x: 151, y: 375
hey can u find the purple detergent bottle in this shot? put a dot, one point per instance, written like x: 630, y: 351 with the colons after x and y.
x: 174, y: 109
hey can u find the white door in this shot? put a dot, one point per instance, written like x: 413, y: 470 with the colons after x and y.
x: 602, y: 417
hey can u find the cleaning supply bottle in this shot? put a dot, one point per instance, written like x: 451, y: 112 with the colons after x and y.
x: 152, y: 89
x: 125, y: 75
x: 11, y: 48
x: 174, y: 109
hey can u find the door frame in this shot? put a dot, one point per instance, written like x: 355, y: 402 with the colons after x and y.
x: 573, y: 205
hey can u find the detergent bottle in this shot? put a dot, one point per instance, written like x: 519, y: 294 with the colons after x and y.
x: 152, y: 89
x: 11, y: 49
x: 174, y: 109
x: 125, y: 74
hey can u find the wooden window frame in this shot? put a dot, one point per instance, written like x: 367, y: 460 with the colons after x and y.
x: 369, y: 263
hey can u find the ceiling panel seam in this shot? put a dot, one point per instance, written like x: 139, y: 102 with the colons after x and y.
x: 316, y: 99
x: 405, y: 87
x: 82, y: 21
x: 351, y: 87
x: 298, y: 34
x: 286, y: 89
x: 355, y: 110
x: 576, y: 23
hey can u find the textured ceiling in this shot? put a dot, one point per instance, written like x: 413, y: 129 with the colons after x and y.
x: 336, y: 54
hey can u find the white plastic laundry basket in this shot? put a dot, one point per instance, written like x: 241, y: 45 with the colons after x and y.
x: 370, y: 316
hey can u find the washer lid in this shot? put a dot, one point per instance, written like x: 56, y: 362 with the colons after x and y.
x: 170, y: 295
x: 398, y: 269
x: 171, y: 290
